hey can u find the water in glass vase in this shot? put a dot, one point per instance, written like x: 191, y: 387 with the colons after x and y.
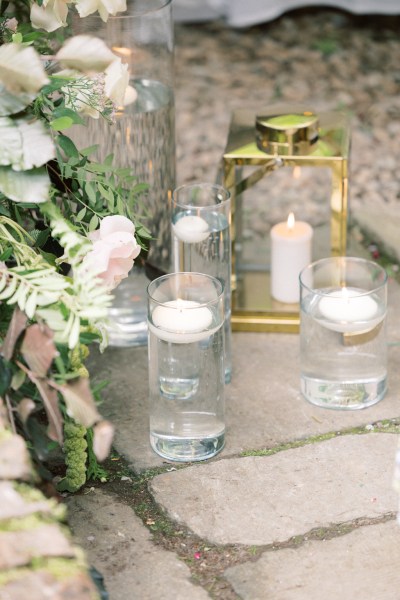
x: 186, y: 380
x: 343, y: 365
x: 204, y: 247
x: 143, y: 139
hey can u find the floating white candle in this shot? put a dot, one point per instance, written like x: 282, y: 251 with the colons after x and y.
x: 181, y: 321
x: 290, y: 253
x: 191, y: 229
x: 349, y: 310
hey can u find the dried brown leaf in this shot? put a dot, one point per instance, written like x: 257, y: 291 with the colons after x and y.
x: 16, y: 327
x: 80, y: 402
x: 50, y: 402
x: 103, y: 434
x: 38, y: 349
x: 25, y: 408
x: 14, y: 458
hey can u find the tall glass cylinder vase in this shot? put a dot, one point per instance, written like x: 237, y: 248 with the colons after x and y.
x: 142, y: 138
x: 201, y: 240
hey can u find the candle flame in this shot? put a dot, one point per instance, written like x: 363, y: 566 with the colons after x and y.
x: 122, y: 52
x: 291, y: 221
x: 296, y: 172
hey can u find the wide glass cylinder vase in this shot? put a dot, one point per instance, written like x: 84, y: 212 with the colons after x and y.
x: 141, y: 138
x: 343, y: 348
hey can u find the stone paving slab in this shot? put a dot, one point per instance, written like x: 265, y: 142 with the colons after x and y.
x: 363, y: 564
x: 120, y: 547
x: 262, y: 500
x: 264, y: 406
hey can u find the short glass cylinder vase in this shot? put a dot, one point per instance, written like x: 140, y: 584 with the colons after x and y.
x: 201, y: 238
x: 142, y: 138
x: 343, y: 349
x: 186, y: 366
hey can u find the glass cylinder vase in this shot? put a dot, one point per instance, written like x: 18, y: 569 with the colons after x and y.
x: 186, y: 366
x: 201, y: 241
x: 343, y: 349
x: 141, y: 138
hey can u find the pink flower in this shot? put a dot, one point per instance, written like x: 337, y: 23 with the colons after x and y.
x: 114, y: 249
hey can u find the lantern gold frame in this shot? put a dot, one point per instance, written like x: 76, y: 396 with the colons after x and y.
x: 284, y: 136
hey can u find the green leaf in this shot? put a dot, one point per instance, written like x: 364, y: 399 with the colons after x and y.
x: 62, y: 111
x: 6, y: 254
x: 81, y: 214
x: 90, y: 191
x: 94, y: 221
x: 5, y: 376
x: 17, y: 38
x: 61, y: 123
x: 88, y: 338
x: 31, y: 36
x: 140, y: 187
x: 67, y: 146
x: 144, y: 233
x: 90, y: 150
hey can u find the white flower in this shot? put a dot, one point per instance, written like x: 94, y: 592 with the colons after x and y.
x: 104, y: 7
x: 116, y: 84
x: 51, y: 15
x: 84, y: 94
x: 85, y: 53
x: 21, y: 69
x: 88, y: 55
x: 116, y: 81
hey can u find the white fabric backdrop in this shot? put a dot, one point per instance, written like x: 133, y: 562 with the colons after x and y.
x: 240, y: 13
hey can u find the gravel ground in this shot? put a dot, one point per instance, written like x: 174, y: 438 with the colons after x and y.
x: 324, y: 58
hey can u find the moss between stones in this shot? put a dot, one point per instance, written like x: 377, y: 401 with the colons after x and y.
x: 384, y: 426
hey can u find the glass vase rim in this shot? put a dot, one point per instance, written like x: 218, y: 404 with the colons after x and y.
x: 198, y: 184
x: 218, y: 288
x: 352, y: 259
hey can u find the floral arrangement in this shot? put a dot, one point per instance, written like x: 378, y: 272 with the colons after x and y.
x: 68, y: 230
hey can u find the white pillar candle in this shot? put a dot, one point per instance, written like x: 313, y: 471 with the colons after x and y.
x: 181, y: 321
x: 191, y: 229
x: 290, y: 253
x: 349, y: 310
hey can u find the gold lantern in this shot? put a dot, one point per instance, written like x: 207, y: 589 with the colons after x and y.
x: 280, y: 161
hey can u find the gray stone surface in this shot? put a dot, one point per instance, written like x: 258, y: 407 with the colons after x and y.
x: 120, y: 547
x: 361, y: 565
x: 264, y: 406
x: 261, y: 500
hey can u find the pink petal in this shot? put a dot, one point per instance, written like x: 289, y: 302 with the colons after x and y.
x: 116, y: 223
x: 99, y: 257
x: 125, y: 251
x: 118, y: 269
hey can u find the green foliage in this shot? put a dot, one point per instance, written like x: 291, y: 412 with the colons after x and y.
x: 75, y: 447
x: 94, y: 472
x: 52, y: 195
